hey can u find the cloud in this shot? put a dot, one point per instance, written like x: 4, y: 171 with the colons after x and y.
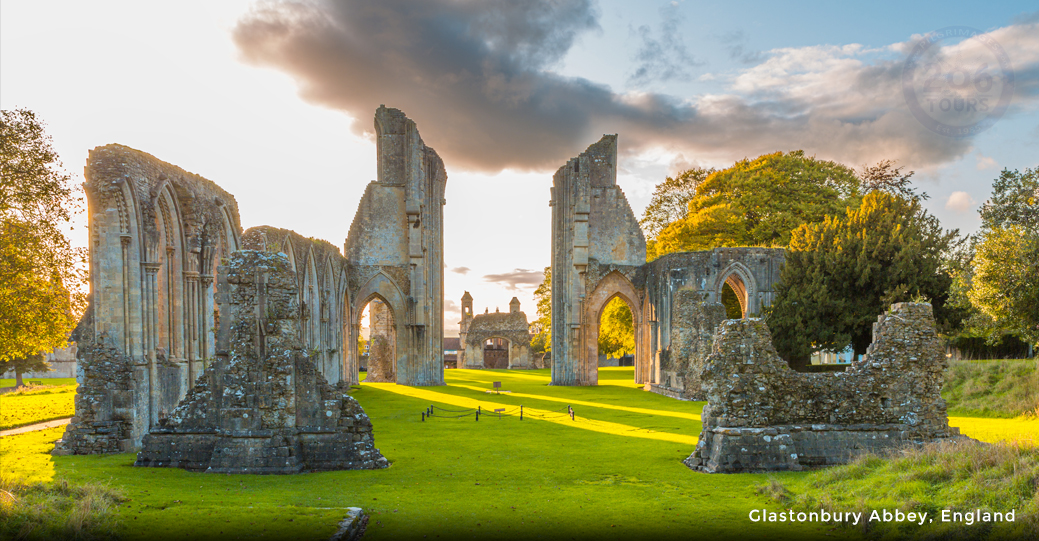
x: 664, y: 58
x: 478, y: 80
x: 959, y: 201
x: 461, y: 270
x: 984, y: 162
x: 517, y: 278
x: 733, y: 42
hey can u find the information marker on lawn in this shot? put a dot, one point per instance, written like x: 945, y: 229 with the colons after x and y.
x: 497, y: 386
x: 498, y: 411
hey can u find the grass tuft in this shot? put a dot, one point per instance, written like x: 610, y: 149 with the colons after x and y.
x: 57, y: 510
x: 996, y: 388
x: 955, y: 475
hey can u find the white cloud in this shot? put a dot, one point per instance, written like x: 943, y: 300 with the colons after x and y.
x: 960, y: 202
x: 985, y: 162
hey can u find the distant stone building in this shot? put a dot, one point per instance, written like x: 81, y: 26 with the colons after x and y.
x: 493, y: 340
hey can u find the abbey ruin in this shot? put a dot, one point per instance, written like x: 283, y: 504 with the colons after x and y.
x: 158, y: 316
x: 599, y: 253
x: 216, y: 349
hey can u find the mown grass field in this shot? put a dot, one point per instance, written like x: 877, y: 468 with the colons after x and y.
x: 36, y: 405
x: 613, y: 473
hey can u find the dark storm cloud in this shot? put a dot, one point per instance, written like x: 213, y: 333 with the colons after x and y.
x: 476, y: 78
x: 517, y: 278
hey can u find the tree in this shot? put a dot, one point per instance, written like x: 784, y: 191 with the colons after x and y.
x: 38, y: 266
x: 885, y: 177
x: 1006, y: 280
x: 1004, y: 285
x: 541, y: 328
x: 1014, y: 201
x: 670, y: 201
x: 842, y: 273
x: 759, y: 202
x: 616, y: 330
x: 32, y: 363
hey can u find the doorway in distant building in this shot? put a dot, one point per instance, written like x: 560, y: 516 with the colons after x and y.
x: 496, y: 353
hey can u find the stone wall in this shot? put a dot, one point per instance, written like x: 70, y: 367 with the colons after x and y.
x: 673, y: 291
x: 761, y: 415
x: 395, y: 248
x: 321, y: 295
x: 157, y: 234
x: 592, y: 226
x: 262, y: 406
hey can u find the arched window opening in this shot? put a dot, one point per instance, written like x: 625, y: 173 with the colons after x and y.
x: 378, y: 342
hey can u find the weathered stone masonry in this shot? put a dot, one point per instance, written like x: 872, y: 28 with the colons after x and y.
x: 262, y: 406
x: 396, y: 248
x: 599, y: 252
x: 157, y: 234
x: 761, y: 415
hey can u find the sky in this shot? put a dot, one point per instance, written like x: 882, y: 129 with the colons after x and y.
x: 274, y: 101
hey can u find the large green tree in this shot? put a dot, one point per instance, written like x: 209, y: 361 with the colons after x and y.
x: 38, y: 266
x: 759, y: 202
x: 843, y: 272
x: 616, y: 330
x: 670, y: 201
x: 1004, y: 283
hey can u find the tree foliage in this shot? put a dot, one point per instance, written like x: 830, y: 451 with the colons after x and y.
x: 885, y: 177
x: 541, y: 328
x: 1005, y: 284
x: 670, y: 201
x: 843, y: 272
x: 38, y: 266
x: 759, y: 202
x: 616, y: 330
x: 21, y: 365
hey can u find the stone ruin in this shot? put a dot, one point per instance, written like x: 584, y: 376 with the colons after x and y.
x: 761, y: 415
x: 599, y: 252
x: 262, y: 406
x: 475, y: 331
x: 157, y: 236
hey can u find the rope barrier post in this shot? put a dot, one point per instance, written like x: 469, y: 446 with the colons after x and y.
x: 521, y: 412
x: 477, y: 414
x: 571, y: 412
x: 423, y: 417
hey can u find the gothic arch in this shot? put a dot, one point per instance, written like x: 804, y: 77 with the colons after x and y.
x: 612, y: 285
x: 740, y: 278
x: 383, y: 288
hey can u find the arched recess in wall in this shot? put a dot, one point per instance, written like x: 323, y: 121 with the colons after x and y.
x: 612, y: 285
x: 348, y: 361
x: 169, y: 281
x: 129, y: 275
x: 311, y: 307
x: 741, y: 280
x: 382, y: 287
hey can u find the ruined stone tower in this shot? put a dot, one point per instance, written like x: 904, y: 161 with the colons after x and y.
x: 597, y: 246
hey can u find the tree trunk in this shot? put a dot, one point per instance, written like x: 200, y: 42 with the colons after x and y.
x: 18, y: 379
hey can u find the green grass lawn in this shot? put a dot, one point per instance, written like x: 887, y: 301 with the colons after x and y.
x: 35, y: 405
x: 9, y: 382
x: 996, y: 388
x: 613, y: 473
